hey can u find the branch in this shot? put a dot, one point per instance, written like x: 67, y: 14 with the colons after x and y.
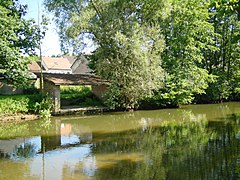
x: 95, y: 8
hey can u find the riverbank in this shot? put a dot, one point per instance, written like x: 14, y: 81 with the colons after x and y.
x: 17, y: 118
x: 27, y: 107
x: 24, y: 107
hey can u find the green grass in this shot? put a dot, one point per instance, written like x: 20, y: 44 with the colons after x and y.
x: 75, y: 89
x: 36, y: 103
x: 79, y: 95
x: 76, y: 94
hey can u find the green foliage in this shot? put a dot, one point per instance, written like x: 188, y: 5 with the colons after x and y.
x: 17, y: 37
x: 85, y: 98
x: 129, y: 45
x: 223, y: 61
x: 26, y: 104
x: 44, y: 107
x: 134, y: 68
x: 9, y: 106
x: 186, y: 37
x: 18, y: 103
x: 90, y: 102
x: 79, y: 95
x: 160, y: 52
x: 31, y: 90
x: 75, y: 89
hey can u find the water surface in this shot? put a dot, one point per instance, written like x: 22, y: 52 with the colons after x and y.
x: 192, y: 142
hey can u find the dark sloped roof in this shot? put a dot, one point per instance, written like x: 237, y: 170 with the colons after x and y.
x: 82, y: 66
x: 73, y: 79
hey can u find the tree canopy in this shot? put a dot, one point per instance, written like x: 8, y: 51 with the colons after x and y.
x: 18, y: 37
x: 128, y: 45
x: 168, y: 51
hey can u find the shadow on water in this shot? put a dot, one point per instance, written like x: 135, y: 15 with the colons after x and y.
x: 171, y: 145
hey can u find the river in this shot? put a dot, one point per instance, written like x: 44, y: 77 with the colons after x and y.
x: 191, y: 142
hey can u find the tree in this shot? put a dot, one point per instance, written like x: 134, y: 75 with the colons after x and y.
x: 187, y: 33
x: 174, y: 49
x: 128, y: 40
x: 224, y: 60
x: 18, y: 37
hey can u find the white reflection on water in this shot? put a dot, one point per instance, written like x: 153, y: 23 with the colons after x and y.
x: 65, y: 140
x: 51, y: 165
x: 14, y: 148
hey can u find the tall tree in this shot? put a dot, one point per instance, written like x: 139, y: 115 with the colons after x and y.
x: 174, y: 49
x: 17, y: 37
x: 224, y: 61
x: 187, y: 33
x: 128, y: 40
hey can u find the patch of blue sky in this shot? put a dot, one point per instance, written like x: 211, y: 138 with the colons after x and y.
x: 50, y: 43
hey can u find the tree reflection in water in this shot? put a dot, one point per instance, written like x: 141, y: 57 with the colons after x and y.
x: 188, y: 146
x: 188, y: 149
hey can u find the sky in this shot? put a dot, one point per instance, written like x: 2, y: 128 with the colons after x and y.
x: 50, y: 43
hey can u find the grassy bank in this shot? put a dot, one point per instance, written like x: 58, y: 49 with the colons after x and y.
x: 11, y: 104
x: 18, y: 106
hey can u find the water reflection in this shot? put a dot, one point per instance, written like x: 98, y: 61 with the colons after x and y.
x: 187, y: 143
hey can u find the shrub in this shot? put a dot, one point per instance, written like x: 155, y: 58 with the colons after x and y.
x: 44, y: 107
x: 12, y: 106
x: 25, y: 103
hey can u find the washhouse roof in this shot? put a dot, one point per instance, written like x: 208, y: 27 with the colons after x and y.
x: 73, y: 79
x: 58, y: 62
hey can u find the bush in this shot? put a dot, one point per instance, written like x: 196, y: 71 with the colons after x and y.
x: 25, y: 104
x: 12, y: 106
x: 44, y: 107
